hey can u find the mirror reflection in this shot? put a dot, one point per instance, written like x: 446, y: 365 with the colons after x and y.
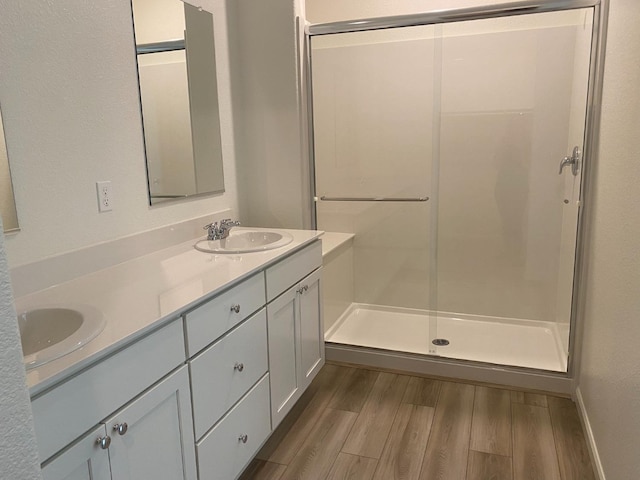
x: 179, y: 98
x: 7, y: 202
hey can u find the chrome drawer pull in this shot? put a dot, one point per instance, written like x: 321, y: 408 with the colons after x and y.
x: 235, y: 308
x: 238, y: 366
x: 104, y: 442
x: 121, y: 428
x: 243, y: 438
x: 303, y: 289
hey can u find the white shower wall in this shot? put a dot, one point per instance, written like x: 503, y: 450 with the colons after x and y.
x: 499, y: 137
x: 371, y: 143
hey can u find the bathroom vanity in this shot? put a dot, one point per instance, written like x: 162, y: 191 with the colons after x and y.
x: 194, y: 389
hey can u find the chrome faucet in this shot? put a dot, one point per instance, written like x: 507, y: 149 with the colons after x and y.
x: 219, y: 231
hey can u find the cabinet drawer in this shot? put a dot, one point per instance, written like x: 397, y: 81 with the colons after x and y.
x: 212, y: 319
x: 290, y: 270
x: 222, y: 453
x: 224, y: 372
x: 67, y: 411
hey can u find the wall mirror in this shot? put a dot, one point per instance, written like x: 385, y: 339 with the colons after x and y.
x: 179, y: 99
x: 7, y: 202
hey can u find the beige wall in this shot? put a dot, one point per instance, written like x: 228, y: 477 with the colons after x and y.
x: 609, y: 381
x: 158, y: 20
x: 7, y: 202
x: 72, y: 117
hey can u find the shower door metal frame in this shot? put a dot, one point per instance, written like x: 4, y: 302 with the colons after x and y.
x: 449, y: 16
x: 557, y: 381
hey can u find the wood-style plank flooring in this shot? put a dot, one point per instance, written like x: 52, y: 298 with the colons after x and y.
x: 361, y: 424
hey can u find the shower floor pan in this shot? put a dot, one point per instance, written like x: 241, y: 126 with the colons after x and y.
x: 502, y: 341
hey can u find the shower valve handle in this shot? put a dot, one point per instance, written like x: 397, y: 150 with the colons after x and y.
x: 573, y: 160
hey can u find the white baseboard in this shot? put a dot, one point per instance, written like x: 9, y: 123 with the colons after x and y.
x: 591, y: 443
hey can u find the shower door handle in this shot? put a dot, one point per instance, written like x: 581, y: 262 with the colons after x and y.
x: 573, y: 160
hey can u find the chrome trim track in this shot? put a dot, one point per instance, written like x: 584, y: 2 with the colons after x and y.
x: 447, y: 16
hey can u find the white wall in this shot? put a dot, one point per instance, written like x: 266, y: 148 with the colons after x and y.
x: 609, y: 380
x: 18, y: 453
x: 321, y: 11
x: 273, y: 177
x: 71, y: 112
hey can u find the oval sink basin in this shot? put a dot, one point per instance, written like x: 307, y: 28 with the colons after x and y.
x: 245, y: 241
x: 51, y: 332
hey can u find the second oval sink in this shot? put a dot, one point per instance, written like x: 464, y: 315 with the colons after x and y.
x: 51, y: 332
x: 245, y: 241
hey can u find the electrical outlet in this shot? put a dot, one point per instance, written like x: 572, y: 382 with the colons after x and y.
x: 104, y: 196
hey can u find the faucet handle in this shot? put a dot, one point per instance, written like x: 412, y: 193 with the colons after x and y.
x: 220, y: 230
x: 227, y: 222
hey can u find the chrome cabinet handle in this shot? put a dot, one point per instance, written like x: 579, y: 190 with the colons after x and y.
x: 243, y: 438
x: 238, y: 366
x: 303, y: 289
x: 235, y: 308
x: 121, y: 428
x: 104, y: 442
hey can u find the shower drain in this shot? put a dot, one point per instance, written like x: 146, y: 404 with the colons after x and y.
x: 441, y: 342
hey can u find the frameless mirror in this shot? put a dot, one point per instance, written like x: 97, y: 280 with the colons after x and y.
x: 7, y: 202
x: 179, y: 99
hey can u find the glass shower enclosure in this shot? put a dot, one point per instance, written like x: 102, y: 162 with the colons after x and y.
x: 453, y: 151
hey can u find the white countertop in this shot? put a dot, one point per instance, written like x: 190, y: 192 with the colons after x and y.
x: 143, y: 294
x: 331, y: 241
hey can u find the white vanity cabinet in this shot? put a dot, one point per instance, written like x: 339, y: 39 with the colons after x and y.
x: 152, y: 437
x: 295, y: 330
x: 84, y: 460
x: 227, y: 449
x: 246, y: 379
x: 198, y: 397
x: 157, y: 440
x: 226, y: 371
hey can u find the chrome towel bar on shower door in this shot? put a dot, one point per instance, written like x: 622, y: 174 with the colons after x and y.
x: 373, y: 199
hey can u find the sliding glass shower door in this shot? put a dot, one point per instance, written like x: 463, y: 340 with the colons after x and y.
x: 373, y: 105
x: 454, y: 153
x: 513, y: 106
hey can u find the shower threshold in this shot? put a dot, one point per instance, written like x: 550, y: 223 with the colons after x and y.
x: 502, y: 341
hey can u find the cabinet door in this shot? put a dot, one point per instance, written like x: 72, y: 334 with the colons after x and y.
x: 283, y: 353
x: 84, y: 460
x: 311, y: 328
x: 156, y: 438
